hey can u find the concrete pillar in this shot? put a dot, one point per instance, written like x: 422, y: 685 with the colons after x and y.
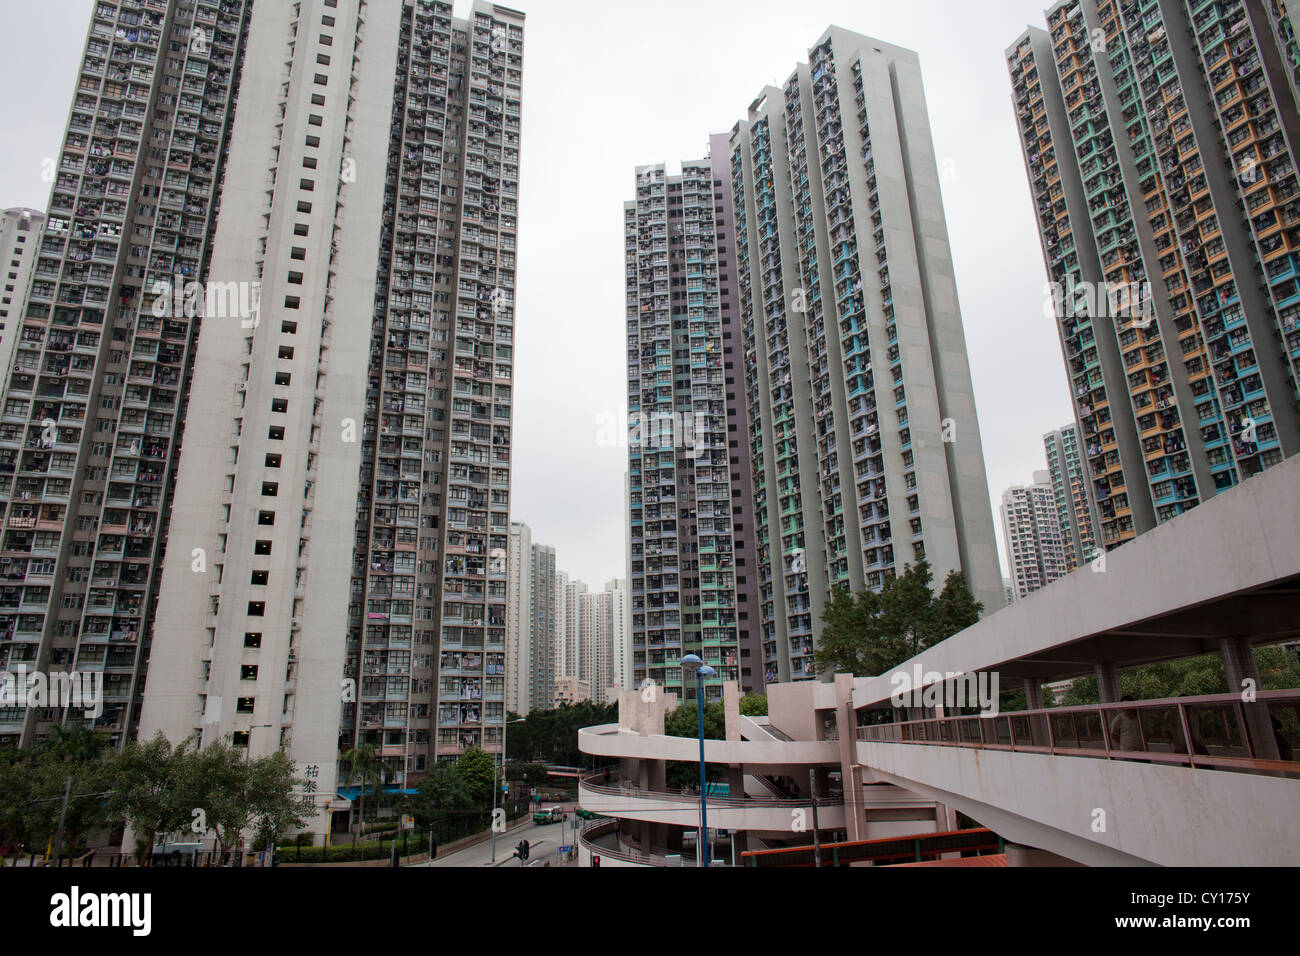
x: 731, y: 709
x: 1239, y: 667
x: 1034, y: 701
x: 1107, y: 683
x: 1033, y: 694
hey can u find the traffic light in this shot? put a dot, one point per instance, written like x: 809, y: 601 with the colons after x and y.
x: 595, y: 861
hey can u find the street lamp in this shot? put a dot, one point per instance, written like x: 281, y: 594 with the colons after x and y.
x: 517, y: 720
x: 692, y: 664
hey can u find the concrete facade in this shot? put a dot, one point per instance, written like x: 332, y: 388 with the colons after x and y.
x: 864, y: 439
x: 21, y: 234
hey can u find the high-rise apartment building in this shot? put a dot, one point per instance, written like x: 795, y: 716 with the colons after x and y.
x: 1070, y: 489
x: 96, y: 395
x: 333, y: 572
x: 569, y: 628
x: 683, y: 555
x: 544, y: 642
x: 865, y: 448
x: 20, y: 240
x: 1036, y: 548
x: 595, y: 666
x: 1159, y: 139
x: 519, y: 618
x: 620, y: 639
x: 353, y: 488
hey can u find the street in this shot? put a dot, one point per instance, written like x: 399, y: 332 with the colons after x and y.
x: 544, y: 841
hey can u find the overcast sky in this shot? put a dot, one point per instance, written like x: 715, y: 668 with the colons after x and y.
x: 612, y: 84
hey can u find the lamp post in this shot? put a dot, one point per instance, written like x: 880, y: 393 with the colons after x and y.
x: 504, y: 728
x: 692, y: 663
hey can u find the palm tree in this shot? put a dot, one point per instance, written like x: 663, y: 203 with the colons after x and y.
x: 365, y: 766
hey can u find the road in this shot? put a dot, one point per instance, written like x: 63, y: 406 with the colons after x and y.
x: 544, y: 841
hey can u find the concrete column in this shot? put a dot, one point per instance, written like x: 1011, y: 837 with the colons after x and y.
x: 1239, y: 667
x: 1107, y: 683
x: 1033, y: 694
x: 1034, y: 701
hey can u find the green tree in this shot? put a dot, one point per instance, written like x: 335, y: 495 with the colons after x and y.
x: 364, y: 766
x: 874, y: 632
x: 442, y: 797
x: 237, y: 794
x: 478, y: 769
x: 148, y: 784
x: 753, y: 705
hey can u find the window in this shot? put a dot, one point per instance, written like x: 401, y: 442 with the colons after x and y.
x: 298, y: 252
x: 317, y: 99
x: 283, y: 378
x: 275, y: 433
x: 239, y: 738
x: 300, y: 229
x: 304, y: 207
x: 253, y: 639
x: 292, y: 301
x: 248, y: 672
x: 266, y: 517
x: 321, y: 80
x: 326, y: 40
x: 244, y: 705
x: 280, y: 405
x: 315, y: 119
x: 260, y: 577
x: 309, y: 162
x: 257, y: 609
x: 289, y: 328
x: 307, y: 185
x: 272, y: 461
x: 262, y: 547
x: 270, y: 489
x: 286, y: 351
x: 295, y: 278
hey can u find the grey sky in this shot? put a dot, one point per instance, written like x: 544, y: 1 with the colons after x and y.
x: 612, y: 84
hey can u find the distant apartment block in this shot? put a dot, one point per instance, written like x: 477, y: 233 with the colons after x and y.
x: 620, y: 643
x: 571, y: 690
x: 1070, y: 489
x: 1160, y: 144
x: 20, y: 241
x: 1036, y: 549
x: 864, y: 443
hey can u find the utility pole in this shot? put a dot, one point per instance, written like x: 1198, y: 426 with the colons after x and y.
x: 817, y: 839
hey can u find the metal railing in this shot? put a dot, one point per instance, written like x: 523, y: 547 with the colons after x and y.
x: 603, y: 828
x: 1223, y: 730
x: 617, y: 789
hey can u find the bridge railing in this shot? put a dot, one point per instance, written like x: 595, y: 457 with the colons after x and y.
x: 1220, y: 731
x: 609, y: 783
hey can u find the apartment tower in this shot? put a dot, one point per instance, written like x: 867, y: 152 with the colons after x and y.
x: 335, y: 573
x: 20, y: 241
x: 864, y: 443
x: 681, y: 531
x: 97, y: 392
x: 1160, y: 143
x: 1070, y: 489
x: 1036, y: 547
